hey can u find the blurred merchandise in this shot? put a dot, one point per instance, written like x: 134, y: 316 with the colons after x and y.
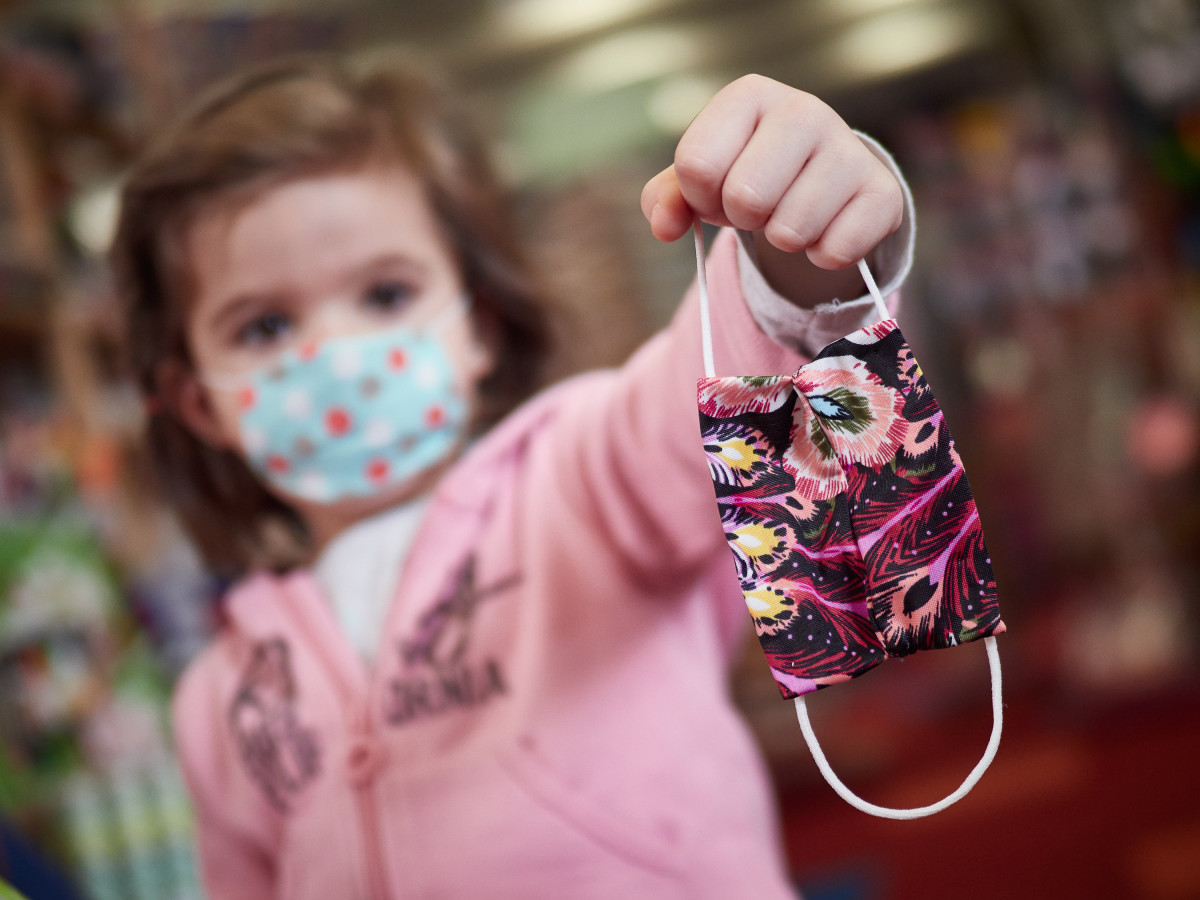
x: 1054, y: 150
x: 92, y: 626
x: 83, y: 749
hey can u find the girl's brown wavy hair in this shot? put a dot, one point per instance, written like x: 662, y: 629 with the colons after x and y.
x: 288, y: 120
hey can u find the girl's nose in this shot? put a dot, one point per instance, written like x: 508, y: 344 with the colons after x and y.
x: 332, y: 320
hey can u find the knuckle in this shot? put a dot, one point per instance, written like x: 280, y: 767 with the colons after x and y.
x: 752, y: 81
x: 807, y: 112
x: 754, y: 88
x: 887, y: 202
x: 847, y: 154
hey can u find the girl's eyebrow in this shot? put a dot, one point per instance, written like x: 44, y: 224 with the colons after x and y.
x: 392, y: 260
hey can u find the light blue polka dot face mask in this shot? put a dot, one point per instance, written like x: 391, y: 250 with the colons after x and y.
x: 351, y: 416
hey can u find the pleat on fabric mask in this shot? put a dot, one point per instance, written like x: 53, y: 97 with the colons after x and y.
x: 852, y: 525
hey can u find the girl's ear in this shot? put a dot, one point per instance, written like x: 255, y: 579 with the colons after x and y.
x: 185, y: 398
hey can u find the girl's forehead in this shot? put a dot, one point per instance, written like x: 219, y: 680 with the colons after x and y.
x: 313, y: 227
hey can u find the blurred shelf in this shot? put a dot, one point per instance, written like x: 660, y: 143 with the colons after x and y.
x: 16, y: 324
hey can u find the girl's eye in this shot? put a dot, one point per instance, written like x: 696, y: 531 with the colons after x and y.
x: 264, y: 329
x: 389, y: 296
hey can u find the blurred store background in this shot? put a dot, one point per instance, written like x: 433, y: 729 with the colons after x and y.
x: 1054, y: 148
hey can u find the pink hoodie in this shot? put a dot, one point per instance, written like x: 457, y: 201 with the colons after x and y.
x: 549, y: 715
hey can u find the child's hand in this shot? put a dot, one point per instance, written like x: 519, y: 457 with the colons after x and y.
x: 764, y: 156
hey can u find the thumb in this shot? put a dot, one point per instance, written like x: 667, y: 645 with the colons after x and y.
x: 663, y: 205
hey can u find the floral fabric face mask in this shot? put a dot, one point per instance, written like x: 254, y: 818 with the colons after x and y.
x: 851, y: 522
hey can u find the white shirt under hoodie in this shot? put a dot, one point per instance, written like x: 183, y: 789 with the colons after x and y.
x: 359, y: 569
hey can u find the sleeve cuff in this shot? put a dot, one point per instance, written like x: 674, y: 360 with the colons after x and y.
x: 809, y: 330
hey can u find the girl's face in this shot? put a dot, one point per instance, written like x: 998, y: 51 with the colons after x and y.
x: 317, y: 258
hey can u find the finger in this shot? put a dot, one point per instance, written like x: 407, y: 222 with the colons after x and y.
x: 812, y: 201
x: 714, y: 140
x: 783, y: 143
x: 664, y: 207
x: 869, y: 217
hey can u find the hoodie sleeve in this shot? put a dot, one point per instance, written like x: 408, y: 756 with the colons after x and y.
x: 628, y: 463
x: 232, y: 854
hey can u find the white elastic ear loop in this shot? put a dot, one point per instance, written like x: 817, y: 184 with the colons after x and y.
x: 706, y: 346
x: 706, y: 323
x: 919, y: 812
x: 873, y: 290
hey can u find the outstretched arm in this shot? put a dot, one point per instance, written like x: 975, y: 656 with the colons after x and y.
x: 628, y: 465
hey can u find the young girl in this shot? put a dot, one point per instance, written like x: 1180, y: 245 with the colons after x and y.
x: 477, y: 648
